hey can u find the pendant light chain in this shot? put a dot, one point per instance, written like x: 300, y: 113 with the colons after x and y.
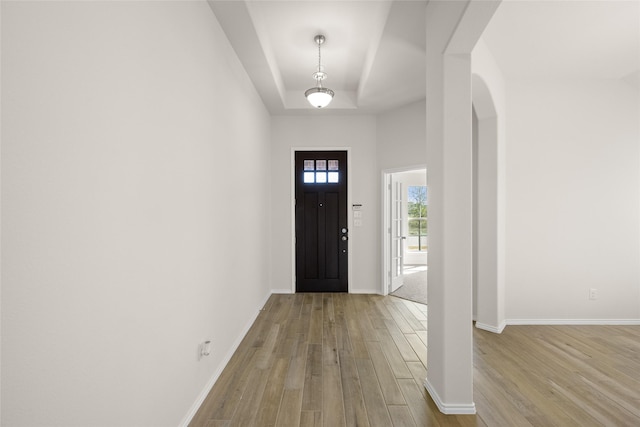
x: 319, y: 96
x: 320, y: 73
x: 319, y: 76
x: 319, y: 58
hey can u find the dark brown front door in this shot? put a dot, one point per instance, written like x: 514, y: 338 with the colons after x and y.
x: 321, y: 221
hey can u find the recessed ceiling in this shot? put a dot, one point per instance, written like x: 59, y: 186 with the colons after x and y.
x: 374, y: 53
x: 351, y: 30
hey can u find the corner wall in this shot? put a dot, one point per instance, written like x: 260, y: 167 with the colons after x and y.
x: 124, y: 245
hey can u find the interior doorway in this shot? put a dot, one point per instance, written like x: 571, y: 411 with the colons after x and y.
x: 405, y: 230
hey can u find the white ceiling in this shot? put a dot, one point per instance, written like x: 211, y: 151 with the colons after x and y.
x: 374, y: 53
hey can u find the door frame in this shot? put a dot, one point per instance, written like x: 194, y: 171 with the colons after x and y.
x: 385, y: 253
x: 292, y: 198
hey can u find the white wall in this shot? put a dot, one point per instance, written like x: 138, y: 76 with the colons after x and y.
x: 401, y: 138
x: 572, y: 200
x: 323, y: 131
x: 571, y: 184
x: 124, y: 243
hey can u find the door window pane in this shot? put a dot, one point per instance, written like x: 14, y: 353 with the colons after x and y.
x: 321, y: 177
x: 309, y: 177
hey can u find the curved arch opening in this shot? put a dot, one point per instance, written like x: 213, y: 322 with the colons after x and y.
x: 488, y: 276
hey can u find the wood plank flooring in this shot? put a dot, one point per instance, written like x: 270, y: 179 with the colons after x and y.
x: 558, y: 376
x: 336, y: 360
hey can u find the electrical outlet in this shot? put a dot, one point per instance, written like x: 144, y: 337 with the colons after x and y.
x: 593, y: 293
x: 205, y: 349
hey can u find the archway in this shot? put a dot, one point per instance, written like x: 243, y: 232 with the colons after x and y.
x: 488, y: 208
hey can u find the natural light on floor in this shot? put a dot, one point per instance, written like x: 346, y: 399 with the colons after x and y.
x: 410, y: 269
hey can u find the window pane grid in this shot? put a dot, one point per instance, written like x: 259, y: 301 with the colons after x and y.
x: 321, y: 171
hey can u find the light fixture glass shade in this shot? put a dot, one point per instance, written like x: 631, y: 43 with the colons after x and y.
x: 319, y: 97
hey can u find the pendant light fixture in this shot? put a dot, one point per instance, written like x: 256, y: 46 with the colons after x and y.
x: 319, y: 96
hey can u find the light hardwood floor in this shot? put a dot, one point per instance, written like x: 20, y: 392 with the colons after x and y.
x: 359, y: 360
x: 558, y: 376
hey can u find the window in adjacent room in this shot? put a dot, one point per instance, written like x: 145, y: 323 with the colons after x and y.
x: 417, y: 218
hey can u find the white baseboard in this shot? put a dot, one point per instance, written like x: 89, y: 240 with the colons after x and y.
x: 593, y: 322
x: 207, y: 388
x: 448, y: 408
x: 495, y: 329
x: 351, y: 291
x: 365, y: 291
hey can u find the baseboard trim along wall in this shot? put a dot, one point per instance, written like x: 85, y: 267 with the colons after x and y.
x: 282, y: 291
x: 365, y: 291
x: 593, y: 322
x: 207, y: 388
x: 351, y: 291
x: 447, y: 408
x: 495, y: 329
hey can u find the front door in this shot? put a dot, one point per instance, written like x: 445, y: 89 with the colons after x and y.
x: 321, y: 221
